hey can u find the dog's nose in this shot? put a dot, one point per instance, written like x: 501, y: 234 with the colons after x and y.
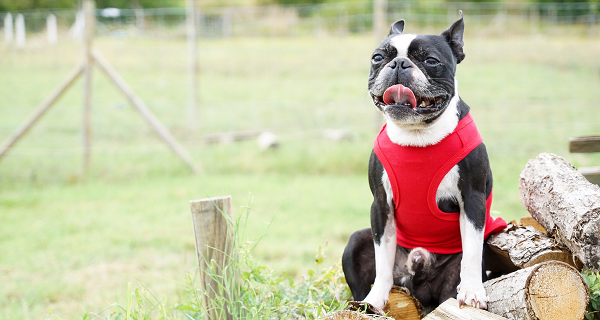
x: 404, y: 63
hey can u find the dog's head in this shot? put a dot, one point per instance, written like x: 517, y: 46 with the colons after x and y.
x: 412, y: 76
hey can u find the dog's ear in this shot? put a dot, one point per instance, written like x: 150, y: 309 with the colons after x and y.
x: 397, y: 27
x: 454, y: 37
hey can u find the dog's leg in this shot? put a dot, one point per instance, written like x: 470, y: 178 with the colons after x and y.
x: 358, y: 263
x: 383, y: 227
x: 474, y: 184
x: 470, y: 289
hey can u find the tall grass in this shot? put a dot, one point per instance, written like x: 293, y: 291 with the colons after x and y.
x: 245, y: 289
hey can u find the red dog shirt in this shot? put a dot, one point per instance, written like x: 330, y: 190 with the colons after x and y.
x: 415, y: 174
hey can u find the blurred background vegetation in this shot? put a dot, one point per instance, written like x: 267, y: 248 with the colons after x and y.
x: 70, y: 240
x: 11, y: 5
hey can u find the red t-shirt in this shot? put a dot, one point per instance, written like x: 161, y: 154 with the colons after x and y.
x: 415, y: 174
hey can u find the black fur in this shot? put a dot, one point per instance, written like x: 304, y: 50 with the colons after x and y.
x: 430, y: 283
x: 438, y: 283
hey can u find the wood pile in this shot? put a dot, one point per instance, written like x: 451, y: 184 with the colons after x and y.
x: 565, y: 204
x: 535, y: 263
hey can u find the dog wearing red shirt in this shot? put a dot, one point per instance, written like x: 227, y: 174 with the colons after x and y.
x: 430, y: 177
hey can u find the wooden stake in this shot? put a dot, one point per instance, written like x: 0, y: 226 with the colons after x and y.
x: 40, y: 110
x: 214, y: 248
x: 141, y: 107
x: 90, y: 20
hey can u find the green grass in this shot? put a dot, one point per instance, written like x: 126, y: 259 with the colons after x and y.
x: 71, y: 241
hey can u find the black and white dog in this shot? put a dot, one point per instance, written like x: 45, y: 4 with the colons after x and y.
x: 430, y: 178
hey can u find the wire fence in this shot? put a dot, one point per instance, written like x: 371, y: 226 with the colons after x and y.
x: 337, y: 18
x: 297, y: 89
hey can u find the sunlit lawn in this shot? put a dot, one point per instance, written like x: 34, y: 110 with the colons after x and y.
x: 70, y: 241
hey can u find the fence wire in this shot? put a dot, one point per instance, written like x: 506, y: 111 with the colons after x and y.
x: 269, y: 96
x: 299, y: 20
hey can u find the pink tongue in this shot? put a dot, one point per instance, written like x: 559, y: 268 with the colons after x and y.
x: 399, y: 94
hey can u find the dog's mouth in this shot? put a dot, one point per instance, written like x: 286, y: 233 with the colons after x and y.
x: 399, y: 96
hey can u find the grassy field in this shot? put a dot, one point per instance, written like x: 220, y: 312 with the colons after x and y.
x: 71, y: 241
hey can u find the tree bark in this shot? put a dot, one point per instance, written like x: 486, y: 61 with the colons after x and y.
x: 546, y: 291
x: 565, y: 204
x: 521, y: 247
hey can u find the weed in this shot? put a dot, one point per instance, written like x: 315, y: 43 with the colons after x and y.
x: 245, y: 289
x: 593, y: 280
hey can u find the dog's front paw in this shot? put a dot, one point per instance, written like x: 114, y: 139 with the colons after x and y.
x: 473, y: 295
x: 377, y: 298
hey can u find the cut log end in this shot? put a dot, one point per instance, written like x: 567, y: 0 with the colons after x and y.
x: 402, y: 305
x: 556, y: 292
x: 547, y: 291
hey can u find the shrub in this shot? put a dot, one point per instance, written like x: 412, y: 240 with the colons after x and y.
x: 593, y: 281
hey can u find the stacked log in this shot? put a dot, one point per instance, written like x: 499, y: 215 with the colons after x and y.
x: 530, y: 221
x: 565, y: 204
x: 450, y: 310
x: 348, y: 315
x: 551, y: 290
x: 402, y: 305
x: 520, y: 247
x: 548, y: 291
x: 539, y: 259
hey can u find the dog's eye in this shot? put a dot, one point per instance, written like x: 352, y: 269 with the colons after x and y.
x: 431, y: 61
x: 377, y: 58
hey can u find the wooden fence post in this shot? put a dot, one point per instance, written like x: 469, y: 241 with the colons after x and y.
x: 190, y: 6
x: 89, y: 9
x: 41, y: 109
x: 141, y: 107
x: 379, y: 32
x: 51, y: 29
x: 213, y: 231
x: 8, y: 28
x: 20, y: 30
